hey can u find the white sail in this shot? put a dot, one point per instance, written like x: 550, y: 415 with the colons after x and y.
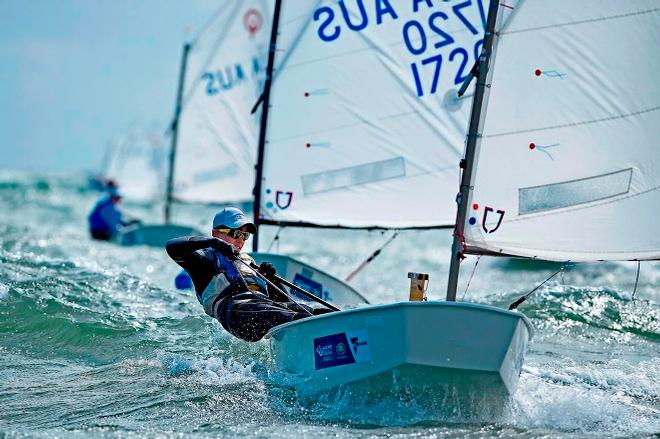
x: 568, y: 165
x: 137, y: 163
x: 365, y: 128
x: 218, y: 137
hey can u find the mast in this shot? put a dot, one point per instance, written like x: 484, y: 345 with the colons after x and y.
x: 264, y: 119
x: 175, y: 131
x: 468, y: 163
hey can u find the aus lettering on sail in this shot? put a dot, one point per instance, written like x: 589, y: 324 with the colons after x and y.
x: 441, y: 39
x: 232, y: 75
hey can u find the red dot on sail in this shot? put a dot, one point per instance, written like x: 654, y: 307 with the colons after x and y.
x: 532, y: 146
x: 475, y: 206
x: 538, y: 72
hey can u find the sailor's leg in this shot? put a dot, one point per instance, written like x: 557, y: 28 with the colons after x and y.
x: 251, y: 319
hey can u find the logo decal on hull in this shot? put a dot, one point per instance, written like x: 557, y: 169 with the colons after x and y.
x: 332, y: 350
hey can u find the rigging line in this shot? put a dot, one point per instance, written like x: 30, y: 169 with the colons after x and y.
x: 470, y: 280
x: 370, y: 258
x: 639, y: 263
x: 275, y: 239
x: 515, y: 304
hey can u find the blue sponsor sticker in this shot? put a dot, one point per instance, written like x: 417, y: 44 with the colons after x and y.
x: 332, y: 350
x: 308, y: 284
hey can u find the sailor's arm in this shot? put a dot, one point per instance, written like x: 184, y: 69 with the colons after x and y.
x: 183, y: 250
x: 267, y: 270
x: 200, y: 265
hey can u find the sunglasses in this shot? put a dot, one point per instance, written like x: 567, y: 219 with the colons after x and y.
x: 235, y: 233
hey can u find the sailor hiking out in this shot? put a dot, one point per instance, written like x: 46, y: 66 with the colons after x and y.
x: 227, y: 286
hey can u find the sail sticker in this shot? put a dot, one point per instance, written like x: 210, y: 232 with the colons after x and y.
x: 570, y: 193
x: 543, y: 148
x: 359, y: 343
x: 269, y: 204
x: 253, y: 21
x: 307, y: 284
x: 488, y: 210
x: 354, y: 175
x: 342, y: 348
x: 473, y: 220
x: 283, y: 199
x: 550, y: 73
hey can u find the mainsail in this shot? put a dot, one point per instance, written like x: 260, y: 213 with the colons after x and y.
x: 568, y: 165
x: 365, y: 127
x: 217, y: 135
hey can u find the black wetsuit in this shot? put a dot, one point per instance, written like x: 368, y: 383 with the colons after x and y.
x: 242, y: 302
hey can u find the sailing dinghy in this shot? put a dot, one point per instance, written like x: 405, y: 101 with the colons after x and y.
x: 136, y: 162
x: 562, y: 91
x: 213, y: 134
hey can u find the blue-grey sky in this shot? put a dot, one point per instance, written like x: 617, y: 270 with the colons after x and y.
x: 75, y: 73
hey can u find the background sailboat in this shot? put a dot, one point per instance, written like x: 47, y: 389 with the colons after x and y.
x: 136, y: 162
x: 216, y: 136
x: 211, y: 155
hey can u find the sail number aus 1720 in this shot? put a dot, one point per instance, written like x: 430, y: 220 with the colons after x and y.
x: 421, y: 38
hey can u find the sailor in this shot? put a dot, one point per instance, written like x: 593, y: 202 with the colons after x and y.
x: 226, y: 285
x: 106, y: 219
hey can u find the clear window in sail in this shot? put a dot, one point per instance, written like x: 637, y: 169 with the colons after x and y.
x: 354, y: 175
x: 570, y: 193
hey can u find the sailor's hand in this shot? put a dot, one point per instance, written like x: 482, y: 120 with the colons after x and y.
x: 224, y: 248
x: 267, y: 269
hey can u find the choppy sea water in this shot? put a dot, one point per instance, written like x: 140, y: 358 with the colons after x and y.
x: 96, y: 342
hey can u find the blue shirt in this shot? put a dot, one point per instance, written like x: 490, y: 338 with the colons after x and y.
x: 105, y: 216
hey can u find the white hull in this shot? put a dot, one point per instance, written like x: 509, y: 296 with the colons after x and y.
x: 153, y: 235
x: 311, y: 279
x: 443, y: 349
